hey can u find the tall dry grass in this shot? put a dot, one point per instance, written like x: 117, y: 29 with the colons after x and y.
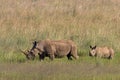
x: 87, y: 22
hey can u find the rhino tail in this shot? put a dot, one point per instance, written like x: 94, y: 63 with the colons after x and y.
x: 111, y: 53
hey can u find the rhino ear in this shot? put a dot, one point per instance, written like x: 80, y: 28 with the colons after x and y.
x: 94, y: 47
x: 35, y: 42
x: 90, y: 47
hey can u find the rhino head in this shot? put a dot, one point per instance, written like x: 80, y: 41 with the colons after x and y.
x: 29, y: 55
x: 92, y: 51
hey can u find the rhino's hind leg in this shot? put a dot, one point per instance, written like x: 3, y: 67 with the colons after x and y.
x: 75, y: 56
x: 110, y: 57
x: 69, y: 56
x: 74, y: 53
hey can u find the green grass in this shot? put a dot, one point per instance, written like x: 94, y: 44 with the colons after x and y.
x: 85, y: 68
x: 86, y: 22
x: 58, y: 69
x: 61, y: 77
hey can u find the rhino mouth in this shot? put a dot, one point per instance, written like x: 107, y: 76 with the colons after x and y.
x: 30, y: 56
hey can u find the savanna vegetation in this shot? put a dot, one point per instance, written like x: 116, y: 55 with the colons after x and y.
x: 86, y: 22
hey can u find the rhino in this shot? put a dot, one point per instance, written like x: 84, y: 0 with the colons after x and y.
x: 28, y: 54
x: 53, y: 48
x: 102, y: 52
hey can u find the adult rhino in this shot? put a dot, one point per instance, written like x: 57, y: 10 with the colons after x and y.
x: 52, y: 49
x: 102, y: 52
x: 28, y: 54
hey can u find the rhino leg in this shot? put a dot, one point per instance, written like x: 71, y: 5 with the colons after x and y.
x: 76, y: 56
x: 51, y: 56
x: 74, y: 53
x: 69, y: 56
x: 110, y: 57
x: 41, y: 56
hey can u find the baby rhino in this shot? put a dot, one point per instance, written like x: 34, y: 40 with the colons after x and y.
x: 102, y: 52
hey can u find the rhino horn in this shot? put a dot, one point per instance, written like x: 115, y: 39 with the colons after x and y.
x: 24, y: 52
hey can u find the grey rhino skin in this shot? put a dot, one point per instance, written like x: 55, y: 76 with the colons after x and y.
x: 53, y: 48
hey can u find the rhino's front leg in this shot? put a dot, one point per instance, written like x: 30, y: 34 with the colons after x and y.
x: 41, y: 56
x: 51, y: 56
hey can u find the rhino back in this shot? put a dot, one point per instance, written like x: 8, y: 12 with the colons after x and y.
x: 103, y: 51
x: 44, y: 46
x: 62, y: 49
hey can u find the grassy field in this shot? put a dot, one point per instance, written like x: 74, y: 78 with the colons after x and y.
x: 86, y: 22
x: 61, y: 69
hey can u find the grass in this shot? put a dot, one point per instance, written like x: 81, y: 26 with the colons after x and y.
x: 86, y: 68
x: 86, y: 22
x: 58, y: 70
